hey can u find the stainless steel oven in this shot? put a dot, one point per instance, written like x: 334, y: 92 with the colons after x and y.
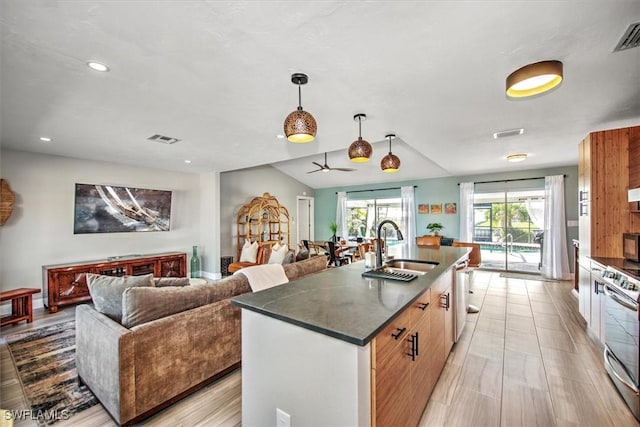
x: 622, y: 332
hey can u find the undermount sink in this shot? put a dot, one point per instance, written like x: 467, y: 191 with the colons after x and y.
x: 403, y: 270
x: 410, y: 265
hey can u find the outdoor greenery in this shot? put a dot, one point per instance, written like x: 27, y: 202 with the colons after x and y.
x: 515, y: 217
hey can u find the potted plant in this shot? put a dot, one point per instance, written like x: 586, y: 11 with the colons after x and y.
x: 434, y: 227
x: 333, y: 226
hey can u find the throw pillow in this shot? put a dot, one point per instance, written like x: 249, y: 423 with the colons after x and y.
x: 303, y: 253
x: 249, y: 252
x: 278, y: 252
x: 161, y: 282
x: 106, y: 291
x: 290, y: 257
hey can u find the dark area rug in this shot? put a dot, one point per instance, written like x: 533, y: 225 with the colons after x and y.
x: 46, y: 362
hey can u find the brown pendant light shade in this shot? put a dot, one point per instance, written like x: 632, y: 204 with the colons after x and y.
x: 360, y: 150
x: 390, y: 163
x: 300, y: 126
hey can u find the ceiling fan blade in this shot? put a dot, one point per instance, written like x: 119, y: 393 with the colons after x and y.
x: 344, y: 169
x: 318, y: 165
x: 317, y: 170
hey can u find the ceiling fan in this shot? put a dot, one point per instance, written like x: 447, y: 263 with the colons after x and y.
x: 327, y: 168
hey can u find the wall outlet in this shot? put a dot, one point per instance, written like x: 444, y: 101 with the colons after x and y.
x: 282, y: 418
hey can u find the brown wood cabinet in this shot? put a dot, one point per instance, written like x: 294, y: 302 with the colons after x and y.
x: 65, y: 284
x: 634, y: 165
x: 604, y: 170
x: 409, y: 355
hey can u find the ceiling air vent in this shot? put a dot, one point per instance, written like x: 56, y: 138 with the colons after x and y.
x: 506, y: 133
x: 630, y: 38
x: 163, y: 139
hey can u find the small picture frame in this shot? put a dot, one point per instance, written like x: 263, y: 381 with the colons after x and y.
x: 423, y: 209
x: 450, y: 208
x: 436, y: 208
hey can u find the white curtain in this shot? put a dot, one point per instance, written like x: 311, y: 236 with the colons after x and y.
x: 409, y: 213
x: 555, y: 262
x: 535, y: 209
x: 341, y: 215
x: 466, y: 211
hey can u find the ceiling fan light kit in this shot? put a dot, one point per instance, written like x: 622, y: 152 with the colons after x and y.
x: 534, y: 79
x: 300, y: 126
x: 360, y: 150
x: 390, y: 163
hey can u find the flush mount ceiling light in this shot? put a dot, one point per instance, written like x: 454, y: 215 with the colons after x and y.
x: 300, y: 126
x: 360, y: 150
x: 534, y: 79
x: 517, y: 157
x: 390, y: 163
x: 97, y: 66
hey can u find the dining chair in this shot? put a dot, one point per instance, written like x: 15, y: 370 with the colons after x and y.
x: 475, y: 259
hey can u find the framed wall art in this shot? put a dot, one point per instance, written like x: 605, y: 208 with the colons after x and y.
x: 450, y: 208
x: 436, y: 208
x: 112, y: 209
x: 423, y: 209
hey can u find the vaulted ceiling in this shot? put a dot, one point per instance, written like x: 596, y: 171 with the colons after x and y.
x: 216, y: 76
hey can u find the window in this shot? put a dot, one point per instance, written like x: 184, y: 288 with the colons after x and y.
x: 363, y: 217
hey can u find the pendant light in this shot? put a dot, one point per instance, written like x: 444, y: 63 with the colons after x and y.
x: 360, y: 150
x: 390, y: 163
x: 534, y: 79
x: 300, y: 126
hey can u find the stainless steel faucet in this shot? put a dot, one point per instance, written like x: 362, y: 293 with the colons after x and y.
x: 378, y: 243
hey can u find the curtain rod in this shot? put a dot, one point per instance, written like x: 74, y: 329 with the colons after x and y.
x: 376, y: 189
x: 511, y: 180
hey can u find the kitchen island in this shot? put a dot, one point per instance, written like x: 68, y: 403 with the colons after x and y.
x: 336, y: 348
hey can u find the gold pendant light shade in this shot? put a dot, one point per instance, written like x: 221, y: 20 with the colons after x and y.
x: 534, y: 79
x: 300, y: 126
x: 390, y: 163
x: 360, y: 150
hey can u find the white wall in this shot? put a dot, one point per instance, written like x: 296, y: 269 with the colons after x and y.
x: 238, y: 188
x: 40, y: 230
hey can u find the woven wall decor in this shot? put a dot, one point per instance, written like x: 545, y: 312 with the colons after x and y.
x: 7, y: 199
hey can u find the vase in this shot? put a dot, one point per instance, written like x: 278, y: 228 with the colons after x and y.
x: 195, y: 263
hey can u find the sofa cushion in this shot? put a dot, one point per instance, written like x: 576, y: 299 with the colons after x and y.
x: 278, y: 253
x: 249, y: 252
x: 106, y: 291
x: 161, y: 282
x: 141, y: 305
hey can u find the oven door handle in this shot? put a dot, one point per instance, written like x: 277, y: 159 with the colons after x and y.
x: 608, y: 292
x: 607, y: 355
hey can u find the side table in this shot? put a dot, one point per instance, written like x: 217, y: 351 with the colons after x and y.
x: 21, y: 305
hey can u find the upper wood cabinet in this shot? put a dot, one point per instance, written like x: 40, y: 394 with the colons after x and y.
x: 634, y: 164
x: 603, y: 180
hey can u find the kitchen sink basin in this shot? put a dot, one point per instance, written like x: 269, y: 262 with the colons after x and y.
x: 415, y: 266
x: 403, y: 270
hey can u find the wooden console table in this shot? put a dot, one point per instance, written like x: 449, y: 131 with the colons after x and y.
x: 66, y: 284
x: 21, y: 305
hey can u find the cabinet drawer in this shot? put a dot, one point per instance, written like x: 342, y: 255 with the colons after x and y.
x: 394, y: 334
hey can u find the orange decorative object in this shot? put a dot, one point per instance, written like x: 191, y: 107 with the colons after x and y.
x: 7, y: 199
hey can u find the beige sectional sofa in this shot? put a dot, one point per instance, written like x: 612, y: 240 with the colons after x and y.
x: 169, y: 342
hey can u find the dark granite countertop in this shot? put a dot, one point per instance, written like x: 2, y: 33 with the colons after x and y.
x: 340, y: 303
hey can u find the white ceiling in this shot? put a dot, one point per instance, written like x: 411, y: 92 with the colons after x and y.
x: 217, y: 76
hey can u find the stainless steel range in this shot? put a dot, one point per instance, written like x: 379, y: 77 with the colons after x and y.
x: 622, y: 333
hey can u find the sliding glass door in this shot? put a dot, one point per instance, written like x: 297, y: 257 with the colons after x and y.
x: 508, y: 224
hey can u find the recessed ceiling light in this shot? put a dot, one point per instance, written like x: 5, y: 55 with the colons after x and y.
x: 506, y: 133
x: 97, y: 66
x: 517, y: 157
x: 187, y: 161
x: 45, y: 139
x: 280, y: 136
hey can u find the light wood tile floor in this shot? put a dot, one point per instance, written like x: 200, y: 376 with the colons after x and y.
x: 524, y: 360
